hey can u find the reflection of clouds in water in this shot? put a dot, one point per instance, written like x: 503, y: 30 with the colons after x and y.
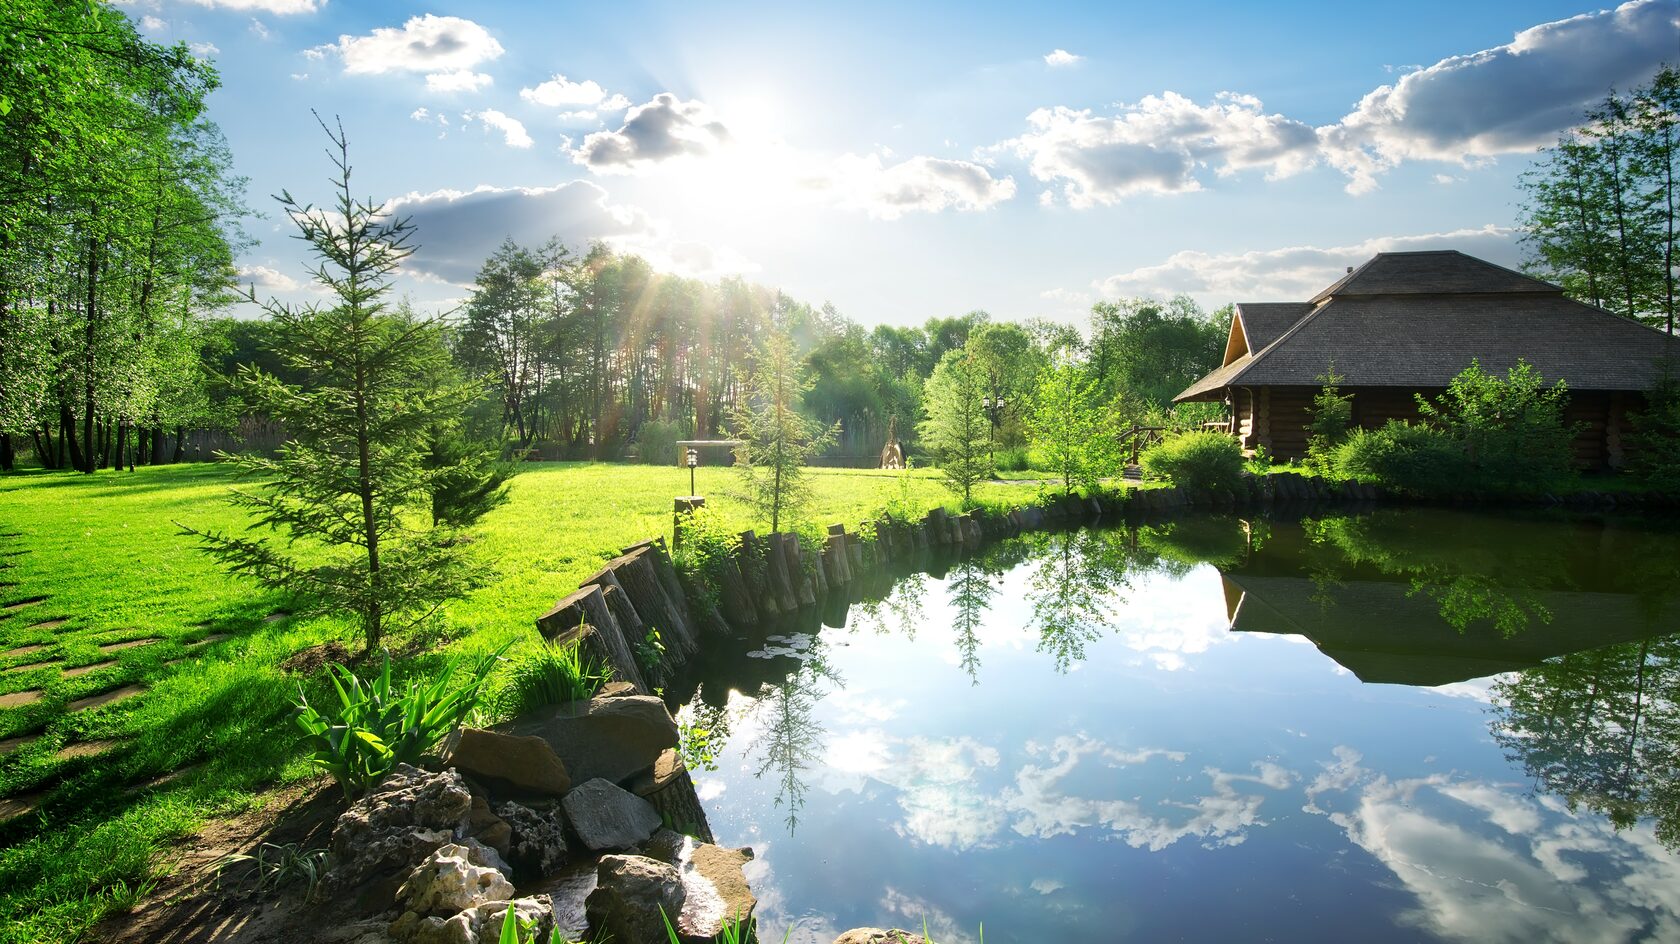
x: 914, y: 913
x: 1046, y: 886
x: 772, y: 911
x: 1477, y: 689
x: 1498, y: 866
x: 1167, y: 619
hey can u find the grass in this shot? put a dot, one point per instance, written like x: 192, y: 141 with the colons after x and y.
x: 209, y: 730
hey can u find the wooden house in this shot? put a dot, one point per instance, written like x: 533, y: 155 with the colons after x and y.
x: 1406, y: 323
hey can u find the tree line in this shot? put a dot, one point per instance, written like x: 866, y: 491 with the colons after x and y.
x: 118, y: 226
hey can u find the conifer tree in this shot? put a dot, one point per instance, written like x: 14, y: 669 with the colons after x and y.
x: 957, y: 430
x: 776, y: 441
x: 349, y: 492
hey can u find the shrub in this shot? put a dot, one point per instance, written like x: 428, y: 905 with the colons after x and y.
x: 1511, y: 429
x: 1655, y: 439
x: 1013, y: 460
x: 656, y: 441
x: 1200, y: 460
x: 374, y: 726
x: 551, y: 674
x: 1332, y: 415
x: 1416, y: 459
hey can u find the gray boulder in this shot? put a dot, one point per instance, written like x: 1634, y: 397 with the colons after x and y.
x: 523, y: 762
x: 456, y: 877
x: 610, y: 738
x: 536, y: 840
x: 632, y: 898
x: 606, y: 816
x: 383, y: 836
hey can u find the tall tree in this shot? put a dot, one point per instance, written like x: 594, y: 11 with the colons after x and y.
x: 956, y: 429
x: 350, y: 482
x: 1072, y: 427
x: 776, y: 440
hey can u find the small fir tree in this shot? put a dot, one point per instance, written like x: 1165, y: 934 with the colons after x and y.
x: 776, y: 440
x: 1071, y: 428
x: 348, y: 491
x: 1332, y: 417
x: 956, y: 429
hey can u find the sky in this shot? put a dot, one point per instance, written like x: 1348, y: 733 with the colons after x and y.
x: 904, y: 161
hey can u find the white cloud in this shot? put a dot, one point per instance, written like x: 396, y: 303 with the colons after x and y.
x: 152, y: 24
x: 428, y: 43
x: 582, y: 116
x: 1294, y: 273
x: 276, y: 7
x: 202, y: 50
x: 560, y: 91
x: 919, y: 184
x: 513, y: 131
x: 1161, y: 144
x: 460, y: 80
x: 614, y: 102
x: 259, y: 29
x: 1508, y: 99
x: 1061, y: 57
x: 267, y: 277
x: 663, y: 129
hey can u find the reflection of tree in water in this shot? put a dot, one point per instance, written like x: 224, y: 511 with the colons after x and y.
x: 1077, y: 574
x: 702, y: 728
x: 1600, y: 729
x: 791, y: 735
x: 971, y: 592
x: 901, y: 610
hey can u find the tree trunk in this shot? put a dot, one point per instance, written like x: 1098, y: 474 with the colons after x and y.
x: 67, y: 438
x: 6, y: 456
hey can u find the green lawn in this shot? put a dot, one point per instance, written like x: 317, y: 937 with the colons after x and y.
x: 105, y: 553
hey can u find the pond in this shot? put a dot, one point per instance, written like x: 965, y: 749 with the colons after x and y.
x: 1400, y: 725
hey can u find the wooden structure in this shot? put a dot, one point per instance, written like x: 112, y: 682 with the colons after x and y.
x: 683, y: 445
x: 1406, y: 323
x: 892, y: 454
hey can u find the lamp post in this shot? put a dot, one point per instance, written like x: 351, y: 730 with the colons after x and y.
x: 693, y: 463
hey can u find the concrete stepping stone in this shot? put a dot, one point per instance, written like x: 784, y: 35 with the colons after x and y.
x: 81, y: 670
x: 49, y: 624
x: 31, y: 666
x: 209, y: 640
x: 19, y: 699
x: 21, y: 805
x: 85, y: 749
x: 17, y: 743
x: 21, y: 604
x: 105, y: 698
x: 164, y: 780
x: 276, y: 616
x: 129, y: 644
x: 25, y: 650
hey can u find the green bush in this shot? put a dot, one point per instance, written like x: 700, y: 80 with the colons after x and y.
x: 373, y: 726
x: 1655, y: 440
x: 1415, y: 459
x: 1199, y: 460
x: 656, y: 441
x: 1511, y: 430
x: 551, y: 674
x: 1014, y: 460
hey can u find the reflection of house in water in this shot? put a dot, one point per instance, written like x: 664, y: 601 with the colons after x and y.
x: 1384, y: 629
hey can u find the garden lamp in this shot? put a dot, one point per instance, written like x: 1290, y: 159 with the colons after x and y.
x: 693, y: 463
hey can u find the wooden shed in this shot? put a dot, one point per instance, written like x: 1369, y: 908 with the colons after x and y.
x: 1406, y: 323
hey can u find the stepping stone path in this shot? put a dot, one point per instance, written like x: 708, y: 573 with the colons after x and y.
x: 130, y: 644
x: 163, y: 780
x: 85, y: 669
x: 85, y: 749
x: 49, y: 624
x: 25, y: 650
x: 31, y: 666
x: 23, y: 805
x: 21, y: 604
x: 17, y: 743
x: 105, y: 698
x: 209, y: 640
x: 276, y: 616
x: 19, y: 699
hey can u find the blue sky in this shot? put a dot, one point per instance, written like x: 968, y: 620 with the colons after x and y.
x: 904, y: 163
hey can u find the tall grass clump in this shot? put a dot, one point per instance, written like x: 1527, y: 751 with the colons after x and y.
x: 1200, y: 460
x: 550, y: 674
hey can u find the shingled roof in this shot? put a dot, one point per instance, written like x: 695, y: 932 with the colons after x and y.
x: 1416, y: 319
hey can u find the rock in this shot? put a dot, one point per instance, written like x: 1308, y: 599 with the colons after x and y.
x: 632, y: 898
x: 667, y: 786
x: 456, y: 877
x: 383, y: 836
x: 609, y: 738
x: 879, y: 936
x: 606, y: 816
x: 715, y: 890
x: 481, y: 924
x: 488, y: 828
x: 667, y: 846
x: 537, y: 841
x: 522, y: 762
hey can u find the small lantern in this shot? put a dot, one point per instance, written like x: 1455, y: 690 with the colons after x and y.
x: 693, y: 463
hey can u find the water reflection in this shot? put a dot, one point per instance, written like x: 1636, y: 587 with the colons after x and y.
x: 790, y: 738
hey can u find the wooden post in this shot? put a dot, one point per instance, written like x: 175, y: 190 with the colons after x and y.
x: 683, y: 505
x: 587, y: 608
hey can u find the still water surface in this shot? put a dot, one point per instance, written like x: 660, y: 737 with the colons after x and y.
x: 1404, y: 725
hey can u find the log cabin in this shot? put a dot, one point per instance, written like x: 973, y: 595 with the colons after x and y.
x: 1406, y: 323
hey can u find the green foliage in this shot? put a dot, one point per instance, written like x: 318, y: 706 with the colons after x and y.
x: 1655, y: 439
x: 656, y: 441
x: 1199, y: 460
x: 549, y: 674
x: 1147, y: 350
x: 1416, y: 459
x: 776, y: 440
x: 1332, y: 415
x: 650, y: 652
x: 275, y: 866
x: 370, y: 727
x: 1511, y: 430
x: 708, y: 545
x: 469, y: 478
x: 349, y: 480
x: 956, y: 429
x: 1072, y: 428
